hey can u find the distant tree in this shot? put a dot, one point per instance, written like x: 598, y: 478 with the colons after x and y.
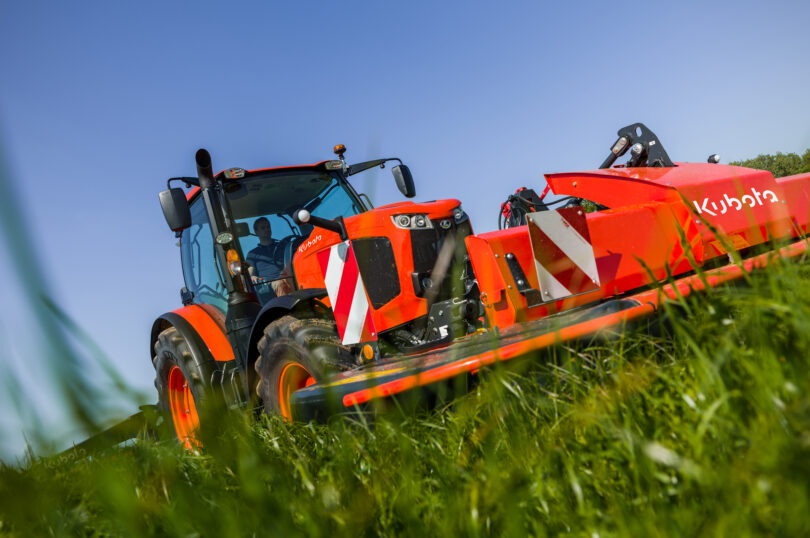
x: 589, y: 206
x: 780, y: 165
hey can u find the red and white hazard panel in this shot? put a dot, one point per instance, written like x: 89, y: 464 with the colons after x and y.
x: 563, y: 254
x: 346, y: 291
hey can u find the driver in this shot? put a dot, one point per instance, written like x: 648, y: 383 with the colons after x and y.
x: 266, y: 260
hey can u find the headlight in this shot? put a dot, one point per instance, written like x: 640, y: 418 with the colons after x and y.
x: 459, y: 215
x: 224, y: 238
x: 412, y: 222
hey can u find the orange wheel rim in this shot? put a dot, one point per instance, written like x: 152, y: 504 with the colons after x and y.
x: 184, y: 411
x: 293, y: 377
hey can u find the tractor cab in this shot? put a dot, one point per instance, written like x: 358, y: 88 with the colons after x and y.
x: 262, y: 206
x: 253, y: 216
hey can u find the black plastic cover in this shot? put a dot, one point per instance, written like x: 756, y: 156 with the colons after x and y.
x: 378, y: 267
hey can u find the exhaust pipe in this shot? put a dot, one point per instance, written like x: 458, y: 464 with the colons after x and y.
x: 204, y: 170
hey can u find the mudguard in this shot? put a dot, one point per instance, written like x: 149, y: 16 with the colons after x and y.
x: 272, y: 310
x: 203, y: 328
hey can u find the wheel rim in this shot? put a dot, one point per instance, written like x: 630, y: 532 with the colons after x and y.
x: 293, y: 377
x: 184, y: 411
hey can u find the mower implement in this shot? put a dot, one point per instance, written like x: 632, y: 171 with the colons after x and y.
x: 304, y: 300
x: 349, y: 392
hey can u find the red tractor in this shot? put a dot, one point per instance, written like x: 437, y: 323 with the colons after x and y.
x: 340, y: 304
x: 292, y: 276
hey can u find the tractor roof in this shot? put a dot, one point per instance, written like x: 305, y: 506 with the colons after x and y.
x: 317, y: 166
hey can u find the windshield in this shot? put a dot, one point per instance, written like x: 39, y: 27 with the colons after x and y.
x: 262, y: 208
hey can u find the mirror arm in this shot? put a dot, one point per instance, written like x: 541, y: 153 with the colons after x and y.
x: 189, y: 181
x: 362, y: 167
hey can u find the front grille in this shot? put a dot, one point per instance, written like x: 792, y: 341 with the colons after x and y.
x: 426, y: 245
x: 378, y: 267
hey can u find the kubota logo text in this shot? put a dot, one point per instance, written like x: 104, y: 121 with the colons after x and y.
x: 309, y: 243
x: 728, y: 202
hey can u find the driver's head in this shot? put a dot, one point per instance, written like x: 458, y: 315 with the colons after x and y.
x: 262, y: 229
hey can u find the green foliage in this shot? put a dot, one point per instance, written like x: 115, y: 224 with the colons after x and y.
x: 589, y: 207
x: 780, y: 165
x: 702, y: 429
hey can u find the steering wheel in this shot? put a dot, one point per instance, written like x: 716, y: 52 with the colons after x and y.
x: 285, y: 248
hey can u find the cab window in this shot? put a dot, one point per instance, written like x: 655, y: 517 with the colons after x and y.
x: 276, y: 197
x: 200, y: 266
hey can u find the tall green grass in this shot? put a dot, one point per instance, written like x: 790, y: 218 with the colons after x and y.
x: 53, y: 372
x: 700, y: 429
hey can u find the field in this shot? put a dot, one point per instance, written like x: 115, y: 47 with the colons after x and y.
x: 698, y: 424
x: 699, y: 427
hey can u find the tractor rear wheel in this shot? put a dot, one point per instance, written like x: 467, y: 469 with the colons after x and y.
x: 295, y: 353
x: 179, y: 381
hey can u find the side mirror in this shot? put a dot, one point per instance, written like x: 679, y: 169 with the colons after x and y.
x: 175, y: 208
x: 404, y: 180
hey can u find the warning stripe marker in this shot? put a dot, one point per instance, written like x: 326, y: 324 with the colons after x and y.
x: 346, y: 291
x: 563, y: 254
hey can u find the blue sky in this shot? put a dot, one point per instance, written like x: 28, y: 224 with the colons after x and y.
x: 101, y: 102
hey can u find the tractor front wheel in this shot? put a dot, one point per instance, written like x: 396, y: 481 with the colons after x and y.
x: 295, y: 353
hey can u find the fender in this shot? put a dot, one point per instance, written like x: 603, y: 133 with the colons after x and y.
x: 272, y: 310
x: 203, y: 328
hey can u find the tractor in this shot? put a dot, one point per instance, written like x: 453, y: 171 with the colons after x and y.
x: 353, y: 305
x: 335, y: 284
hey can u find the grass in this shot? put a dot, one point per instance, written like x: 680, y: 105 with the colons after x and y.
x: 703, y: 429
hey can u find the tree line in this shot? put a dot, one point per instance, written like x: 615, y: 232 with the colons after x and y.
x: 780, y: 165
